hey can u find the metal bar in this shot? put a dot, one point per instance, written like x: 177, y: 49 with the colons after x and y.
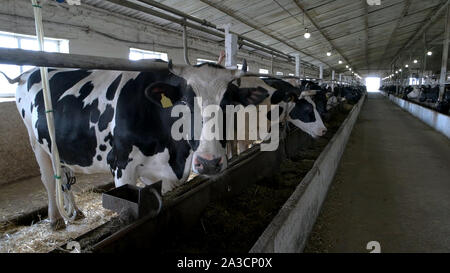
x: 46, y: 59
x: 423, y: 29
x: 443, y: 77
x: 67, y: 210
x: 298, y: 65
x: 424, y: 65
x: 185, y: 46
x: 61, y: 60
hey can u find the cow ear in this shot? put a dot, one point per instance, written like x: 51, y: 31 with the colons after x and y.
x: 163, y: 94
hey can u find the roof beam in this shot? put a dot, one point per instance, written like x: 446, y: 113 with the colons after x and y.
x: 254, y: 26
x: 400, y: 19
x: 436, y: 15
x: 305, y: 12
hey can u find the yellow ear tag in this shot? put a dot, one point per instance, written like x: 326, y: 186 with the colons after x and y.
x: 165, y: 101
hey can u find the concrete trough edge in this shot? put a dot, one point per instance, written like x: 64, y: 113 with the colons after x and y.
x: 289, y: 230
x: 436, y: 120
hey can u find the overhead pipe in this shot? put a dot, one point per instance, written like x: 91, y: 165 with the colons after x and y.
x: 245, y: 41
x: 185, y: 46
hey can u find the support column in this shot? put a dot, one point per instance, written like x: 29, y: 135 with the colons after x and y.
x: 340, y: 77
x: 333, y: 74
x: 424, y: 64
x: 271, y: 66
x: 321, y: 73
x: 298, y: 65
x: 443, y: 78
x: 231, y: 48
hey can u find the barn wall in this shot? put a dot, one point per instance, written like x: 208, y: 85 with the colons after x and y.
x: 17, y: 160
x: 95, y: 32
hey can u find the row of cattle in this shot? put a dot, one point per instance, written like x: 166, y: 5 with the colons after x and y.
x: 121, y: 122
x: 422, y: 94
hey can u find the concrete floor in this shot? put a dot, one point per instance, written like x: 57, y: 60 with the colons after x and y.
x: 392, y: 186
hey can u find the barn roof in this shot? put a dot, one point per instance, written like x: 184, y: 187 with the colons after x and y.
x: 366, y: 37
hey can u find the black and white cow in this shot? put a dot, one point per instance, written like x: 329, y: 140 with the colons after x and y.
x: 298, y: 109
x: 120, y: 122
x: 322, y: 97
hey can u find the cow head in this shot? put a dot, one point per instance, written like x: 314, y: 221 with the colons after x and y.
x: 207, y: 97
x: 300, y: 108
x: 304, y: 115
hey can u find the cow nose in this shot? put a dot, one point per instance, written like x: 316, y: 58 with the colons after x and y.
x: 204, y: 165
x: 324, y: 131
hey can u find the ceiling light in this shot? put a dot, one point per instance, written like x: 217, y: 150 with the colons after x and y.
x: 399, y: 70
x: 406, y: 66
x: 328, y: 53
x: 307, y: 34
x: 415, y: 61
x: 340, y: 62
x: 346, y: 66
x: 429, y: 53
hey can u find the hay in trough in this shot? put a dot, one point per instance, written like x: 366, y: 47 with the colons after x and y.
x: 40, y: 238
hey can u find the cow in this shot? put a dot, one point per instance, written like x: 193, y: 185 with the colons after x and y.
x: 295, y: 108
x: 414, y: 93
x: 322, y: 97
x: 120, y: 122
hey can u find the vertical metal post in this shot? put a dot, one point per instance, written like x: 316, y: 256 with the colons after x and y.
x: 271, y: 65
x: 185, y: 45
x: 443, y: 78
x: 321, y: 73
x: 332, y: 80
x: 424, y: 65
x: 231, y: 48
x: 56, y: 163
x: 298, y: 65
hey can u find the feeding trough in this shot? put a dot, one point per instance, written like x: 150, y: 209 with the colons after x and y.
x: 132, y: 202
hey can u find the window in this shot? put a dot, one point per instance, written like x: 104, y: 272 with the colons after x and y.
x: 202, y: 61
x: 12, y: 40
x: 291, y: 74
x: 263, y: 71
x: 139, y: 54
x: 279, y: 73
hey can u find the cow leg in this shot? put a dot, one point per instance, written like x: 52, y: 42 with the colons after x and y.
x: 67, y: 174
x: 80, y: 215
x: 232, y: 148
x: 47, y: 176
x: 242, y: 146
x: 126, y: 176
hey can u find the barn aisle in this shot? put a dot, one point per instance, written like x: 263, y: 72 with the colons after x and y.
x: 393, y: 186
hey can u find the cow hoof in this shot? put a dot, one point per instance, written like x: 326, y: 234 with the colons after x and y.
x: 58, y: 225
x: 80, y: 215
